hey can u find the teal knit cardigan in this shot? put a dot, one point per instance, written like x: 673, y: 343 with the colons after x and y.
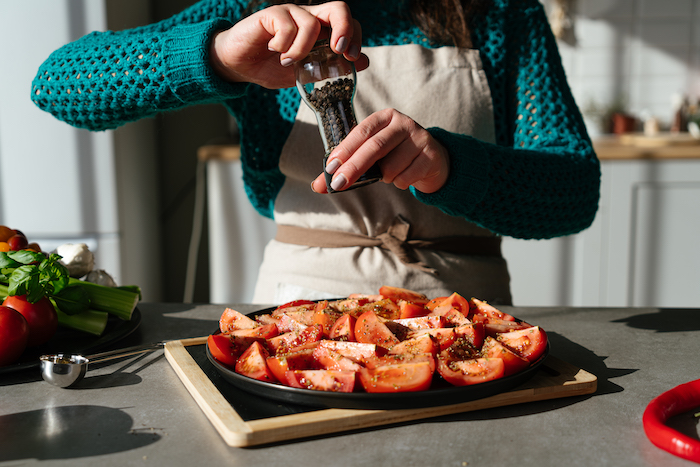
x: 540, y: 180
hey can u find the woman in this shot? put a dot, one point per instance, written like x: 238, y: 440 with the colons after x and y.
x: 464, y: 105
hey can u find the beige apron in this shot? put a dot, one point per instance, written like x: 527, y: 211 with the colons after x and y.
x: 444, y: 87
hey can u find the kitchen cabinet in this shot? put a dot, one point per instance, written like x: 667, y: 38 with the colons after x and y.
x: 641, y: 249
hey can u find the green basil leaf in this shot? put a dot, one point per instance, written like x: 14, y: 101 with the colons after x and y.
x: 26, y: 256
x: 53, y: 275
x: 72, y: 300
x: 6, y: 262
x: 25, y: 281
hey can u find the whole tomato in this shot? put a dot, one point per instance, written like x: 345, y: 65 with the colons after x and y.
x: 41, y: 318
x: 14, y: 332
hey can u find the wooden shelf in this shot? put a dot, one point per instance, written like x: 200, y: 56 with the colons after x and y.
x: 636, y: 146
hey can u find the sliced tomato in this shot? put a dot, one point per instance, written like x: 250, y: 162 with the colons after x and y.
x: 409, y: 310
x: 479, y: 307
x: 221, y: 349
x: 443, y: 336
x: 397, y: 293
x: 231, y: 320
x: 326, y: 318
x: 370, y: 330
x: 401, y: 359
x: 295, y: 340
x: 355, y: 351
x: 322, y: 380
x: 397, y: 378
x: 472, y: 333
x: 267, y: 331
x: 351, y: 304
x: 468, y: 372
x: 343, y: 329
x: 529, y: 343
x: 387, y: 309
x: 422, y: 322
x: 253, y: 363
x: 286, y: 323
x: 455, y: 301
x: 299, y: 360
x: 513, y: 363
x: 432, y: 304
x: 295, y: 304
x: 454, y: 317
x: 493, y: 327
x: 417, y: 345
x: 331, y: 359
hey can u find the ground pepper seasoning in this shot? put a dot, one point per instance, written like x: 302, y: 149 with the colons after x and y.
x: 327, y: 84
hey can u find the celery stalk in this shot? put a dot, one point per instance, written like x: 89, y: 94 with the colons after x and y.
x: 118, y: 302
x: 90, y: 321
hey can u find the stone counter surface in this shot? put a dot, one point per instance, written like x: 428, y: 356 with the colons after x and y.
x: 136, y: 411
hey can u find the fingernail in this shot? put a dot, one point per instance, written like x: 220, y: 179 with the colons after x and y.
x: 339, y: 182
x: 354, y: 51
x: 312, y: 187
x: 286, y: 61
x: 342, y: 44
x: 332, y: 166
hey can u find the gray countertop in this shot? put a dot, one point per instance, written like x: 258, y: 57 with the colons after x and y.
x: 136, y: 411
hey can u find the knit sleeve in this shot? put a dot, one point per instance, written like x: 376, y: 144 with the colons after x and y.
x: 542, y: 178
x: 106, y: 79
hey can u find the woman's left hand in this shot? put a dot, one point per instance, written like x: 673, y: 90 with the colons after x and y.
x: 408, y: 155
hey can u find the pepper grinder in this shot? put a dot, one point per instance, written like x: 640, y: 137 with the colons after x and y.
x: 327, y: 83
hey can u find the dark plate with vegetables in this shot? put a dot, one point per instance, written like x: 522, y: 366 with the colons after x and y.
x: 72, y: 341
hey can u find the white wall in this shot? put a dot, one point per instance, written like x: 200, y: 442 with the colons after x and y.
x: 643, y: 51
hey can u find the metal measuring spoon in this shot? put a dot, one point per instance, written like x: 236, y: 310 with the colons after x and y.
x: 65, y: 370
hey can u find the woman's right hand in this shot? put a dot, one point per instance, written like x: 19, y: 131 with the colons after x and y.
x: 262, y: 47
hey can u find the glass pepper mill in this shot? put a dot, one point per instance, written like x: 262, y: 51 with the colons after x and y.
x: 327, y: 83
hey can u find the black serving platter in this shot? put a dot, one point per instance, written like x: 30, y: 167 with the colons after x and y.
x: 72, y: 341
x: 440, y: 393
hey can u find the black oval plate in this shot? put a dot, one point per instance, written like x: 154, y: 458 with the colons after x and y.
x: 72, y: 341
x: 441, y: 392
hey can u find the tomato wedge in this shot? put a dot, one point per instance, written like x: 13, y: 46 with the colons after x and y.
x: 411, y: 310
x: 468, y: 372
x: 343, y: 329
x: 480, y: 307
x: 370, y: 330
x: 397, y: 293
x: 529, y: 343
x: 231, y: 320
x: 513, y: 363
x: 397, y: 378
x: 299, y: 360
x: 253, y: 363
x: 322, y: 380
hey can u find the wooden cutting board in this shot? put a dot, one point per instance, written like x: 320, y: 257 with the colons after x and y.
x: 243, y: 419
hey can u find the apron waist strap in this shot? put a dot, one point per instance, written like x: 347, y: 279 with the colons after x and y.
x: 395, y: 239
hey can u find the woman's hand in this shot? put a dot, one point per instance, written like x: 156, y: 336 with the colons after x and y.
x: 260, y: 48
x: 408, y: 155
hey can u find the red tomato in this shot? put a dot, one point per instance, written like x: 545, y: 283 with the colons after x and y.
x: 343, y: 329
x: 397, y: 293
x: 325, y: 317
x: 6, y: 233
x: 397, y: 378
x: 479, y: 307
x: 296, y: 303
x: 473, y: 371
x: 421, y: 322
x: 17, y: 242
x: 432, y: 304
x: 224, y: 350
x: 322, y: 380
x: 294, y: 340
x: 14, y: 332
x: 455, y: 301
x: 401, y: 359
x: 443, y: 336
x: 370, y: 330
x: 417, y: 345
x: 331, y: 359
x: 512, y: 362
x: 299, y: 360
x: 355, y: 351
x: 231, y: 320
x: 411, y: 310
x: 253, y: 363
x: 41, y: 318
x: 529, y: 343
